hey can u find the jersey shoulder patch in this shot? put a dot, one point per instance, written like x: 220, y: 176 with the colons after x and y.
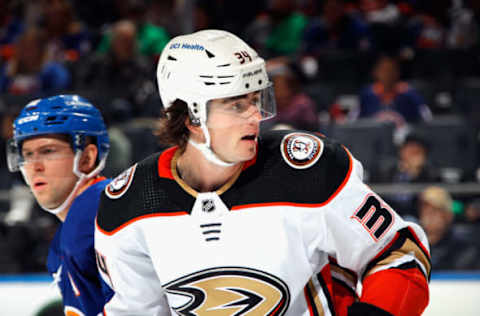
x: 118, y: 186
x: 301, y: 150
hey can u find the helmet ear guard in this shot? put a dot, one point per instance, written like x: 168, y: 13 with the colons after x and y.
x: 194, y: 120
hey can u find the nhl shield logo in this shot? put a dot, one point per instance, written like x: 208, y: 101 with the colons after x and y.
x: 301, y: 150
x: 208, y: 206
x: 120, y: 184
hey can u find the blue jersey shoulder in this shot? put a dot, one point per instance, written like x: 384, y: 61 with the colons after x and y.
x: 78, y: 228
x: 71, y: 259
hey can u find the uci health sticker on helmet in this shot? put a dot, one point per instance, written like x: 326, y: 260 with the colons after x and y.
x: 301, y: 150
x: 121, y: 183
x: 186, y: 46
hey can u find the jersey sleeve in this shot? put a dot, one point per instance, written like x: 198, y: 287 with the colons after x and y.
x: 366, y: 236
x: 82, y: 287
x: 124, y: 264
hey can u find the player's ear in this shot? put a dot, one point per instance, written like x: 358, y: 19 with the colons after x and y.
x: 88, y: 159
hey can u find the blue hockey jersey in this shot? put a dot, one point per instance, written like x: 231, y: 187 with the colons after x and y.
x: 71, y: 258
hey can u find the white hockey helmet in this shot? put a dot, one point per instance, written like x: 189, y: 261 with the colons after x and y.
x: 211, y: 64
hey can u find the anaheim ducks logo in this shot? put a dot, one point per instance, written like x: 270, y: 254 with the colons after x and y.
x: 229, y: 291
x: 301, y: 150
x: 118, y: 186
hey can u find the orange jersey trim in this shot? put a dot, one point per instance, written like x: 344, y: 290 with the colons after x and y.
x: 98, y: 179
x: 164, y: 169
x: 164, y: 163
x: 119, y: 228
x: 334, y: 194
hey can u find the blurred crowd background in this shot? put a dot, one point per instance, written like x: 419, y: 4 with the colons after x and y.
x: 396, y: 81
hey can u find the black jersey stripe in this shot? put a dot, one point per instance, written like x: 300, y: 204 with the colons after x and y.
x: 327, y: 293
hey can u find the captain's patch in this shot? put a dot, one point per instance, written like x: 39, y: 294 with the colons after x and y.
x: 121, y: 183
x: 301, y: 150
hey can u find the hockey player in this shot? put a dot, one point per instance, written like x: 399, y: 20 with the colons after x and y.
x: 60, y: 145
x: 231, y: 222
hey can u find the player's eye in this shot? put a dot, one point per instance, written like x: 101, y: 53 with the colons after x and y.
x: 48, y: 151
x: 239, y: 107
x: 27, y: 154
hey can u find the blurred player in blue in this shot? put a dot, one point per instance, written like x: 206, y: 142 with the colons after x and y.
x: 60, y: 145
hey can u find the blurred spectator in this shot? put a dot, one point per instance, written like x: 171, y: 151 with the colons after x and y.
x: 150, y: 38
x: 67, y: 37
x: 294, y: 107
x: 278, y: 31
x: 410, y: 166
x: 389, y: 98
x: 226, y: 15
x: 463, y: 30
x: 472, y: 212
x: 426, y: 32
x: 29, y: 71
x: 95, y: 13
x: 444, y: 24
x: 11, y: 26
x: 385, y: 21
x: 122, y: 73
x: 337, y: 28
x: 448, y: 250
x: 173, y: 15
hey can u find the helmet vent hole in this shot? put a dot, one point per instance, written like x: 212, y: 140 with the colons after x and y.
x: 209, y: 83
x: 226, y: 82
x: 171, y: 58
x: 52, y: 120
x: 209, y: 54
x: 247, y: 85
x: 260, y: 82
x: 56, y: 107
x: 224, y: 65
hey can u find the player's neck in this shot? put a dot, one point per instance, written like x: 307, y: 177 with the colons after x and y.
x: 203, y: 175
x: 63, y: 214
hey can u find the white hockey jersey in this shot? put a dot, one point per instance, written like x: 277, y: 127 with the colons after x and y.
x: 263, y: 244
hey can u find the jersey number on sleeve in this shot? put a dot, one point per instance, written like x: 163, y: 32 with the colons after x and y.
x: 375, y: 216
x: 102, y: 266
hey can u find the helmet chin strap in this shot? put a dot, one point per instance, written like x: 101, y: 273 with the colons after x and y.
x: 206, y: 149
x: 82, y: 179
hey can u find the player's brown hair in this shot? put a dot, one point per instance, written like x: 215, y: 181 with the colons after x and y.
x: 171, y: 129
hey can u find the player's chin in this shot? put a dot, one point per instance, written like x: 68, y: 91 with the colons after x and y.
x: 247, y: 152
